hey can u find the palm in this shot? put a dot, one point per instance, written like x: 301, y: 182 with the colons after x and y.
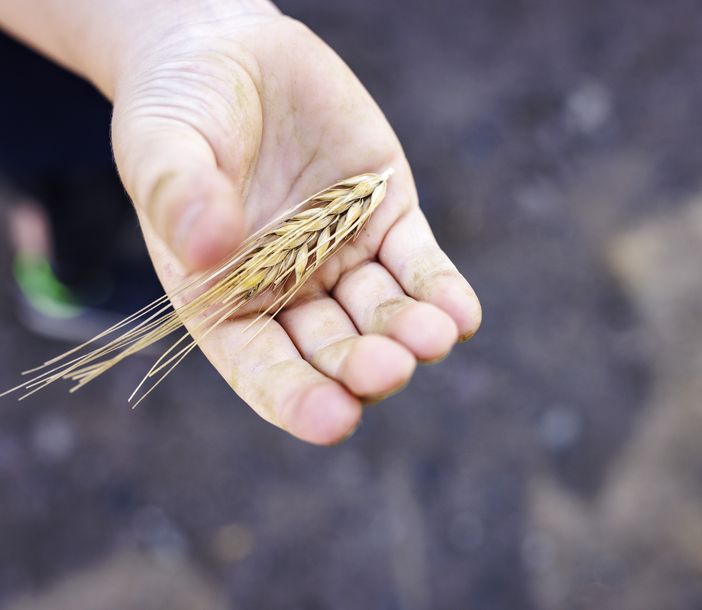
x: 321, y: 126
x: 283, y: 118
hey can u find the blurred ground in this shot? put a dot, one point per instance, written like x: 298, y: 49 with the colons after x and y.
x: 551, y: 463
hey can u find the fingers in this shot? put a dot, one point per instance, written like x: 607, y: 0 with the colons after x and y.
x: 377, y: 304
x: 269, y: 374
x: 370, y: 366
x: 412, y: 255
x: 171, y: 173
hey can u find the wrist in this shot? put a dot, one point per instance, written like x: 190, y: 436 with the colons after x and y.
x: 119, y: 38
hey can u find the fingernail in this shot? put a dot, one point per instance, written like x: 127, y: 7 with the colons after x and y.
x: 184, y: 228
x: 438, y: 358
x: 469, y: 334
x: 368, y: 401
x: 348, y: 435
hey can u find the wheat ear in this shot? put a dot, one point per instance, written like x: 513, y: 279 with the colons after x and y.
x: 275, y: 262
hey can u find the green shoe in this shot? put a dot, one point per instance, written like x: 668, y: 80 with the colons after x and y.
x: 42, y: 290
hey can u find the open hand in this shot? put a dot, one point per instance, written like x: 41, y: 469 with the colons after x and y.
x: 224, y: 122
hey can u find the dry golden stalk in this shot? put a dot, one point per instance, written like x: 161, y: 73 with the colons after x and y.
x: 275, y: 262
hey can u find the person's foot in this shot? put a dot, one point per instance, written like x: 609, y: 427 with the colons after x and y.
x: 51, y: 308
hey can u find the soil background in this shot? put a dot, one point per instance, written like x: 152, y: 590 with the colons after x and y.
x: 551, y: 462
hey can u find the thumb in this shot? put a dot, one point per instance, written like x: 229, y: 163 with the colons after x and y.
x: 171, y: 173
